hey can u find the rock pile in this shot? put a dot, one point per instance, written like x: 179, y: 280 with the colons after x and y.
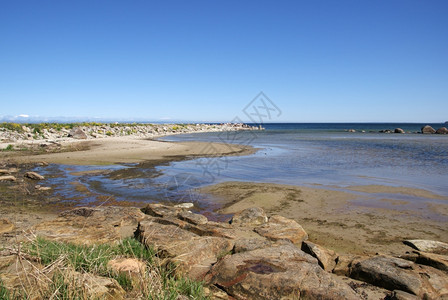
x: 255, y: 256
x: 23, y: 133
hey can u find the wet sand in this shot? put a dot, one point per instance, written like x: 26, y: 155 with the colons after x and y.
x: 338, y: 219
x: 132, y: 150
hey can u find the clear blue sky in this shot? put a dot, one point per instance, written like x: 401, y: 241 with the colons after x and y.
x: 334, y: 61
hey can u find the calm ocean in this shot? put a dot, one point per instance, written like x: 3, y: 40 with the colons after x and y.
x: 296, y: 154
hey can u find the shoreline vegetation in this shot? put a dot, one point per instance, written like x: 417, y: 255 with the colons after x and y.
x: 49, y: 249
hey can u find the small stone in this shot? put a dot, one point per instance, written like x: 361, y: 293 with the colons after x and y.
x: 281, y: 228
x: 186, y: 205
x: 34, y: 176
x: 6, y: 226
x: 127, y: 266
x: 7, y: 178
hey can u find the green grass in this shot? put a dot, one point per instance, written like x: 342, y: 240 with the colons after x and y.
x: 162, y: 283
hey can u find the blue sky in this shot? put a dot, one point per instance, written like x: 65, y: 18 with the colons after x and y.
x: 318, y: 61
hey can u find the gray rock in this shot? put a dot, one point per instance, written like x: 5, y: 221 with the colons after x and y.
x: 398, y: 130
x: 186, y: 205
x: 428, y: 129
x: 428, y: 246
x: 77, y: 133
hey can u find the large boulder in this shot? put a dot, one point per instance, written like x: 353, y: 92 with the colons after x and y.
x: 194, y: 255
x: 399, y: 130
x: 399, y: 274
x: 89, y: 226
x: 442, y: 130
x: 77, y: 133
x: 278, y: 272
x: 281, y: 228
x: 428, y: 129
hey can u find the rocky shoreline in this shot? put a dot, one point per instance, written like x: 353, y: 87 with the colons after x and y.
x: 254, y: 256
x: 424, y: 130
x: 44, y: 134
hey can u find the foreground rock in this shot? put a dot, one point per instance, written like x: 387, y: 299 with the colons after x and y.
x: 428, y: 129
x: 275, y: 273
x: 253, y: 216
x: 325, y: 257
x: 89, y: 226
x: 428, y: 246
x: 399, y: 274
x: 193, y: 254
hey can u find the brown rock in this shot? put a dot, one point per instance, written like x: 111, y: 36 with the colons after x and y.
x: 34, y: 176
x: 434, y: 260
x: 280, y: 227
x: 127, y: 266
x: 160, y: 210
x: 95, y: 287
x: 345, y: 262
x: 398, y: 130
x: 281, y: 272
x: 400, y: 295
x: 253, y: 216
x: 442, y: 130
x: 7, y: 178
x: 77, y: 133
x: 249, y: 244
x: 6, y: 226
x: 428, y: 129
x: 193, y: 254
x: 91, y: 225
x: 398, y: 274
x: 325, y: 257
x: 192, y: 218
x: 4, y: 172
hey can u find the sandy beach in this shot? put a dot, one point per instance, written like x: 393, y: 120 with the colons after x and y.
x: 334, y: 218
x: 128, y: 150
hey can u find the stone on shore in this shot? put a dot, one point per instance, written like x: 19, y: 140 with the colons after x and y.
x: 88, y: 226
x: 398, y: 130
x: 77, y: 133
x: 399, y: 274
x: 194, y: 255
x: 192, y: 218
x: 279, y: 272
x: 253, y: 216
x: 325, y: 257
x: 34, y: 176
x: 442, y: 130
x: 434, y: 260
x: 6, y: 226
x: 281, y: 228
x: 428, y: 246
x: 428, y: 129
x: 7, y: 178
x: 186, y: 205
